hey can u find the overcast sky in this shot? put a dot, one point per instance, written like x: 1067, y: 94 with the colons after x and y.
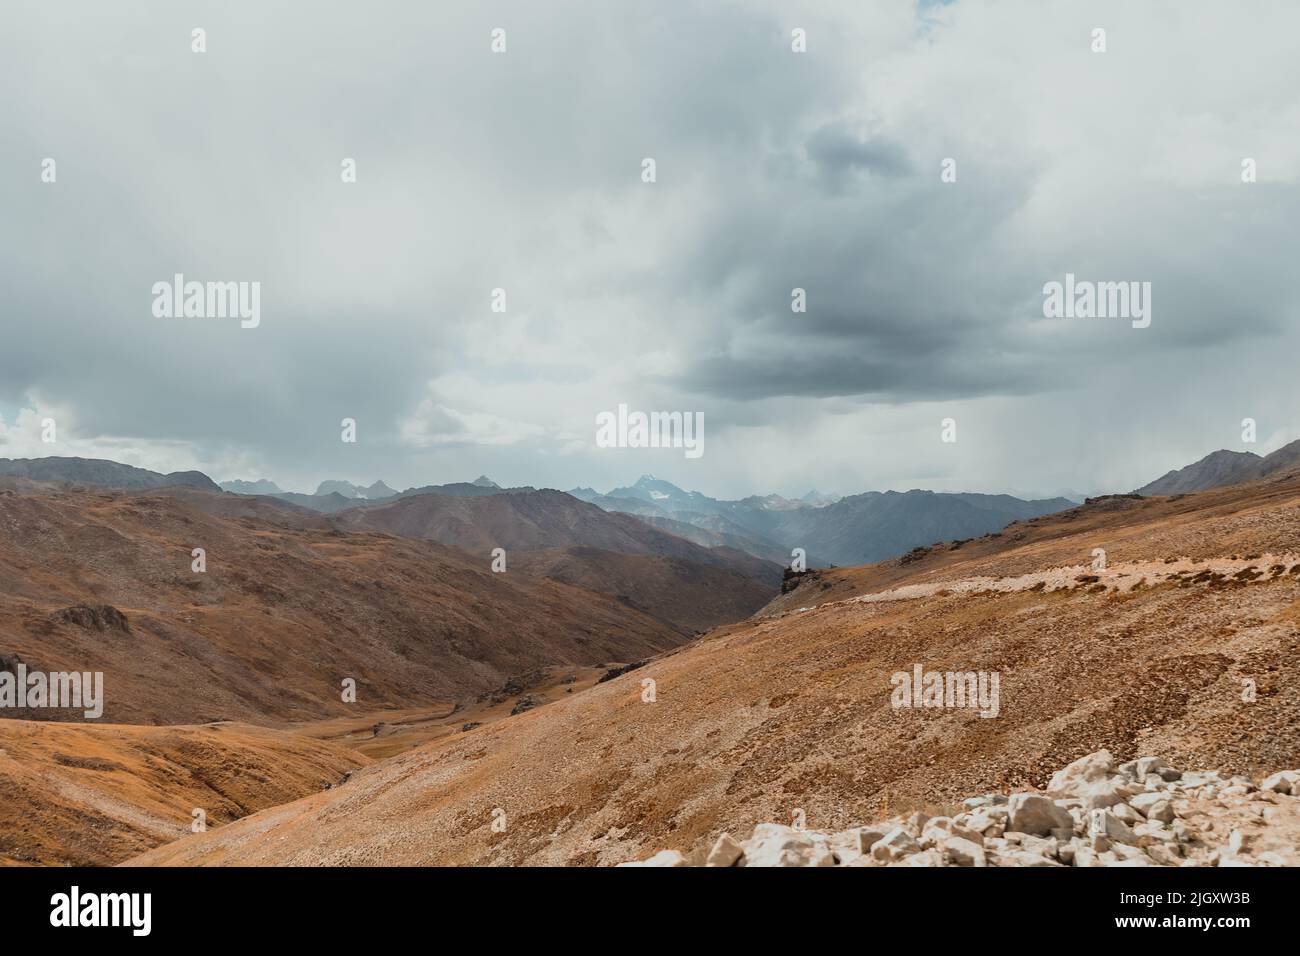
x: 775, y: 170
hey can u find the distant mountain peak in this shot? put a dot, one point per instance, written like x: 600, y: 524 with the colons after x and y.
x: 349, y: 490
x: 483, y: 481
x: 260, y: 486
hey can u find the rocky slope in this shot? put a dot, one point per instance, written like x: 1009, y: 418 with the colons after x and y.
x: 1144, y: 812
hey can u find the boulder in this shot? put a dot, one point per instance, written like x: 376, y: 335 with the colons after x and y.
x: 1284, y: 781
x: 1037, y: 815
x: 1086, y: 770
x: 726, y: 852
x: 662, y: 858
x: 963, y: 852
x: 774, y: 844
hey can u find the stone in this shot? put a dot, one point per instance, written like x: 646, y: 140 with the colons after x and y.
x: 1146, y: 765
x: 1104, y: 824
x: 726, y: 852
x: 1107, y: 793
x: 1086, y: 770
x: 1164, y: 855
x: 774, y: 844
x: 662, y: 858
x: 1284, y: 781
x: 962, y: 852
x: 1126, y: 813
x: 924, y: 858
x: 894, y: 844
x: 1036, y: 815
x: 1162, y: 812
x: 1143, y: 802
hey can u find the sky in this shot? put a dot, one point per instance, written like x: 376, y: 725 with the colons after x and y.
x: 775, y: 170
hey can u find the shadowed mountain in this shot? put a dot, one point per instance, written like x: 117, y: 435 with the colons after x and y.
x: 660, y: 573
x: 1223, y: 468
x: 852, y: 530
x: 100, y: 472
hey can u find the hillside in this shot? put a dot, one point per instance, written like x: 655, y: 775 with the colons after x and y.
x: 100, y: 472
x: 287, y: 608
x: 93, y: 795
x: 552, y: 534
x: 1223, y: 468
x: 791, y: 711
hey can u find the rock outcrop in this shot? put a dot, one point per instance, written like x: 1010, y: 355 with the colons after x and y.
x: 1095, y: 813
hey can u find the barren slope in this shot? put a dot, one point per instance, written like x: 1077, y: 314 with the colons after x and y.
x: 88, y: 795
x: 792, y: 712
x: 286, y: 609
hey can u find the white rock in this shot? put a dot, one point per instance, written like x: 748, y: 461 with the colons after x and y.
x: 961, y: 852
x: 1284, y: 781
x: 1143, y: 802
x: 774, y: 844
x: 1146, y: 765
x: 1086, y: 770
x: 662, y: 858
x: 725, y: 852
x: 1162, y: 811
x: 1105, y: 825
x: 1126, y: 813
x: 1035, y: 814
x: 894, y: 844
x: 1164, y: 855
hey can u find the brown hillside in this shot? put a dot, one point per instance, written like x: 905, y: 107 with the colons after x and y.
x: 286, y: 610
x: 85, y: 795
x: 1151, y: 655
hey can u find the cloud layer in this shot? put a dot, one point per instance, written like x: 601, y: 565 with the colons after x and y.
x: 775, y: 171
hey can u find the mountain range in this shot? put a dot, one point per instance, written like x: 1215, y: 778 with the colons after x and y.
x: 856, y: 529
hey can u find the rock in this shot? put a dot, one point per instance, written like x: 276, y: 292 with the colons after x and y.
x: 1146, y: 765
x: 868, y: 837
x: 1105, y: 826
x: 1161, y: 811
x: 1284, y: 781
x: 1107, y: 793
x: 1037, y: 815
x: 1126, y: 852
x: 962, y: 852
x: 924, y: 858
x: 774, y: 844
x: 1086, y: 770
x: 917, y: 821
x: 1164, y: 855
x: 1126, y: 813
x: 1143, y: 802
x: 662, y: 858
x: 894, y: 844
x: 726, y: 852
x: 1023, y: 858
